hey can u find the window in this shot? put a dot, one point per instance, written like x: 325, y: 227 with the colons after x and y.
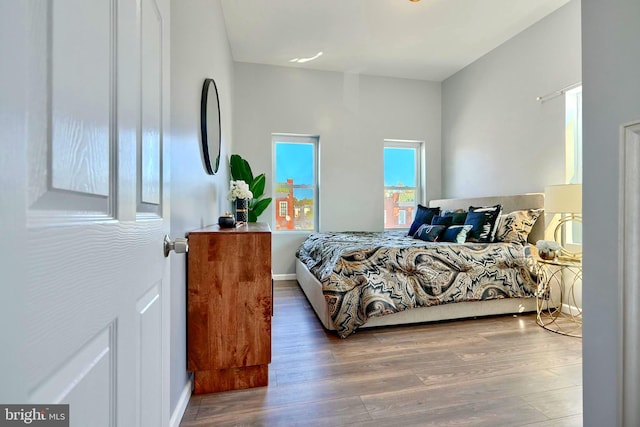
x: 402, y: 217
x: 573, y: 149
x: 573, y: 135
x: 283, y: 209
x: 403, y: 174
x: 296, y: 182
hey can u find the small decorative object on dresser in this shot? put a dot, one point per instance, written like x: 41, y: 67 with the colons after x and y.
x: 240, y: 194
x: 226, y: 221
x: 241, y: 171
x: 242, y: 210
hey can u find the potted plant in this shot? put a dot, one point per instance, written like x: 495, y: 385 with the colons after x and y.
x: 241, y: 171
x: 240, y: 194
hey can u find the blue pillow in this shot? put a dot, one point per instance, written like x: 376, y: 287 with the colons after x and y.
x: 424, y: 215
x: 442, y: 220
x: 457, y: 217
x: 455, y: 234
x: 484, y: 222
x: 429, y: 233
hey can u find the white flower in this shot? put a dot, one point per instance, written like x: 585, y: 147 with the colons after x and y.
x: 547, y: 245
x: 239, y: 190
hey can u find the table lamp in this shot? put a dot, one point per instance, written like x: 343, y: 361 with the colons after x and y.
x: 565, y: 199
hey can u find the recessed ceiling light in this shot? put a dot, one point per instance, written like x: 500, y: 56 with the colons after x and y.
x: 303, y: 60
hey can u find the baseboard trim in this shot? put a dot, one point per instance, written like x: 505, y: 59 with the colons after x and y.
x: 290, y: 276
x: 570, y: 309
x: 181, y: 407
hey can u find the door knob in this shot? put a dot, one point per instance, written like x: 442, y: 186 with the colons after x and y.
x: 180, y: 245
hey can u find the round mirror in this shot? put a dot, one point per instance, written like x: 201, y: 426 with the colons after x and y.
x: 210, y: 126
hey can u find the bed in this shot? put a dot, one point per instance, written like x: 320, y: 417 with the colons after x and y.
x: 379, y: 279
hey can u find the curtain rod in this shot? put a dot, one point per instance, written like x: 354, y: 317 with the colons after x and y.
x: 558, y: 92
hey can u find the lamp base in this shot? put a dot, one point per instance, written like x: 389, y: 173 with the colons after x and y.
x: 565, y: 253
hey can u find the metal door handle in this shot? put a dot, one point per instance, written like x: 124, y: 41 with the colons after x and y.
x: 180, y: 245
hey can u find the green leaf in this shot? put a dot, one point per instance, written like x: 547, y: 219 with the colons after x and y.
x: 236, y: 166
x: 240, y: 169
x: 257, y: 186
x: 248, y: 172
x: 260, y: 206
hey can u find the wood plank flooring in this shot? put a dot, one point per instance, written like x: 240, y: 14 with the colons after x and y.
x: 498, y: 371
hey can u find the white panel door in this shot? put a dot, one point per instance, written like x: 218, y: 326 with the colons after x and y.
x: 89, y: 108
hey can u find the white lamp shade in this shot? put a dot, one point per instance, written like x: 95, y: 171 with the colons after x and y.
x: 565, y: 198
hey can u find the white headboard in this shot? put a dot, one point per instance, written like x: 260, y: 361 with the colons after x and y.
x: 509, y: 204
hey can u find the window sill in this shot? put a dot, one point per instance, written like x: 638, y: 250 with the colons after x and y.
x: 293, y: 232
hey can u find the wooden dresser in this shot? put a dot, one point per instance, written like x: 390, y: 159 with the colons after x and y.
x: 229, y: 307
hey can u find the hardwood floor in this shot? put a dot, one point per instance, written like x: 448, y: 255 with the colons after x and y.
x: 498, y: 371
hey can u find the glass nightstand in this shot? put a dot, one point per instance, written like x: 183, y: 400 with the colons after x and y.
x: 559, y: 296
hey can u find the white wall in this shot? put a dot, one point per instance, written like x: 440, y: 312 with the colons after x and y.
x: 496, y: 138
x: 199, y: 49
x: 611, y: 97
x: 353, y: 115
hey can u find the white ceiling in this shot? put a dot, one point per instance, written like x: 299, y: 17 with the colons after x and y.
x: 427, y: 40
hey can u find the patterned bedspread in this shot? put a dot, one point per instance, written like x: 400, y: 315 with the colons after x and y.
x: 372, y: 274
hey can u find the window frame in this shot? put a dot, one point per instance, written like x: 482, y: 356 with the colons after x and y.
x: 573, y: 135
x: 402, y: 217
x: 283, y: 206
x: 313, y: 140
x: 573, y: 157
x: 420, y: 174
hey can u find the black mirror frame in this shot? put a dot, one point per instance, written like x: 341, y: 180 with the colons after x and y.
x: 210, y: 165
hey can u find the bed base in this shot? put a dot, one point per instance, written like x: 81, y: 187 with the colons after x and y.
x: 312, y: 288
